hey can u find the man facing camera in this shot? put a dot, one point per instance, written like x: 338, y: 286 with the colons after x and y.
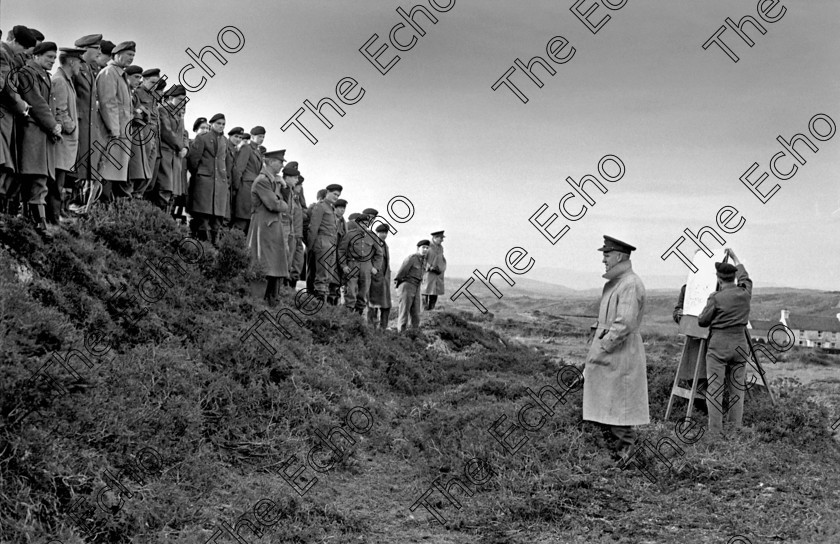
x: 615, y: 392
x: 726, y: 314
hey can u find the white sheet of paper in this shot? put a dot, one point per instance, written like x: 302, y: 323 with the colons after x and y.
x: 702, y: 283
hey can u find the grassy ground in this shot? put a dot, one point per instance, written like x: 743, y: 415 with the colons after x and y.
x: 233, y: 423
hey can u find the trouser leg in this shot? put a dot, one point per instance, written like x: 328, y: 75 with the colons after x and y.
x: 384, y: 313
x: 625, y: 435
x: 432, y: 301
x: 425, y: 302
x: 324, y: 265
x: 297, y: 259
x: 364, y: 287
x: 736, y: 387
x: 715, y: 378
x: 372, y: 317
x: 415, y: 309
x: 406, y: 299
x: 351, y: 289
x: 55, y: 189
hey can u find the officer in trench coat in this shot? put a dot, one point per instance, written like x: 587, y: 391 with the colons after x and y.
x: 66, y: 113
x: 615, y: 378
x: 209, y: 194
x: 433, y: 277
x: 379, y: 298
x: 266, y: 238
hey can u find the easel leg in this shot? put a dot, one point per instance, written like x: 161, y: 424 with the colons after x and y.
x: 701, y: 355
x: 759, y: 367
x: 676, y: 380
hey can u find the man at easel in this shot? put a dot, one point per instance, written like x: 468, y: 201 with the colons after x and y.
x: 726, y: 315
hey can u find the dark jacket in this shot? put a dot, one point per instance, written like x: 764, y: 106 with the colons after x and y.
x: 11, y: 106
x: 729, y: 308
x: 411, y: 270
x: 380, y: 283
x: 209, y: 165
x: 37, y: 147
x: 85, y: 85
x: 322, y: 223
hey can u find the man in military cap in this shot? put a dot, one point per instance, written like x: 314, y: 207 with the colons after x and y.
x: 209, y: 192
x: 379, y: 299
x: 615, y: 394
x: 338, y: 283
x: 288, y: 181
x: 147, y: 135
x: 726, y: 314
x: 115, y: 116
x: 246, y: 165
x: 309, y: 256
x: 84, y: 83
x: 173, y: 148
x: 322, y: 236
x: 408, y: 280
x: 40, y: 133
x: 12, y: 107
x: 361, y: 259
x: 266, y: 237
x: 139, y: 165
x: 295, y: 238
x: 64, y: 95
x: 433, y: 281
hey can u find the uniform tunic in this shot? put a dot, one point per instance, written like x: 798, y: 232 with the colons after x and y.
x: 615, y: 378
x: 265, y: 236
x: 433, y: 281
x: 408, y: 279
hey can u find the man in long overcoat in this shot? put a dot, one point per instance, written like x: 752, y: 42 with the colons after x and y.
x: 435, y: 267
x: 615, y: 378
x: 322, y: 241
x: 39, y: 132
x: 246, y: 167
x: 359, y: 257
x: 139, y: 164
x: 173, y: 148
x: 11, y: 107
x: 66, y: 149
x: 266, y: 238
x: 209, y: 163
x: 113, y: 124
x: 85, y: 84
x: 145, y: 137
x: 379, y: 297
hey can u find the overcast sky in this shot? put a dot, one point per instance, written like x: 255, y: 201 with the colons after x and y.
x: 686, y: 122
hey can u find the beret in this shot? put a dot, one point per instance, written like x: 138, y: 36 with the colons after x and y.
x: 726, y: 271
x: 133, y: 70
x: 44, y: 47
x: 370, y: 211
x: 246, y: 136
x: 124, y: 46
x: 341, y: 203
x: 361, y: 218
x: 276, y: 155
x: 151, y: 72
x: 334, y: 187
x: 352, y: 216
x: 198, y: 123
x: 321, y: 193
x: 106, y: 47
x: 381, y: 227
x: 423, y: 243
x: 289, y: 170
x: 175, y: 90
x: 257, y: 130
x: 218, y: 117
x: 37, y: 34
x: 236, y: 131
x: 91, y: 40
x: 613, y: 244
x: 23, y: 36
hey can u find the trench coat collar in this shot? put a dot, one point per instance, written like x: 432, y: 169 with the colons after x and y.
x: 60, y: 72
x: 120, y: 69
x: 621, y: 269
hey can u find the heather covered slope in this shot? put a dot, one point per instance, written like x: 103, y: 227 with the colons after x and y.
x: 225, y: 415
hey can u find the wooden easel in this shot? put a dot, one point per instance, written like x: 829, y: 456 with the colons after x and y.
x: 697, y: 336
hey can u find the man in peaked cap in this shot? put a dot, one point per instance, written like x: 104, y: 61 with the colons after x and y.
x: 296, y: 211
x: 408, y: 280
x: 615, y: 395
x: 433, y: 279
x: 147, y: 99
x: 84, y: 82
x: 726, y: 314
x: 379, y: 299
x: 247, y: 165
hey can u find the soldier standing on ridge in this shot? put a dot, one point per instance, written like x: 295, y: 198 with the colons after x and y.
x: 246, y: 167
x: 149, y: 134
x: 210, y: 163
x: 726, y: 314
x: 408, y: 280
x: 615, y: 392
x: 66, y: 149
x: 322, y: 236
x: 379, y: 300
x: 435, y: 267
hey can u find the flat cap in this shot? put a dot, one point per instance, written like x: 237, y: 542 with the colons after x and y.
x: 352, y: 216
x: 151, y: 72
x: 423, y: 243
x: 106, y: 47
x: 91, y: 40
x: 370, y: 211
x: 257, y: 130
x: 44, y: 47
x: 362, y: 218
x: 293, y: 164
x: 75, y: 52
x: 176, y: 90
x: 289, y: 169
x: 726, y: 271
x: 276, y: 155
x: 340, y: 203
x: 381, y: 227
x: 217, y: 117
x: 334, y: 187
x: 133, y: 70
x: 236, y: 131
x: 613, y: 244
x: 438, y: 233
x: 124, y: 46
x: 23, y: 36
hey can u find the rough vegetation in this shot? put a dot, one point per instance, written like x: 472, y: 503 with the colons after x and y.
x: 226, y: 415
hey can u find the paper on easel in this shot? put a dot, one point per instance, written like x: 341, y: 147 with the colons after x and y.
x: 702, y: 283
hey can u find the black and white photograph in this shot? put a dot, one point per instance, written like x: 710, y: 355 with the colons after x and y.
x: 419, y: 271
